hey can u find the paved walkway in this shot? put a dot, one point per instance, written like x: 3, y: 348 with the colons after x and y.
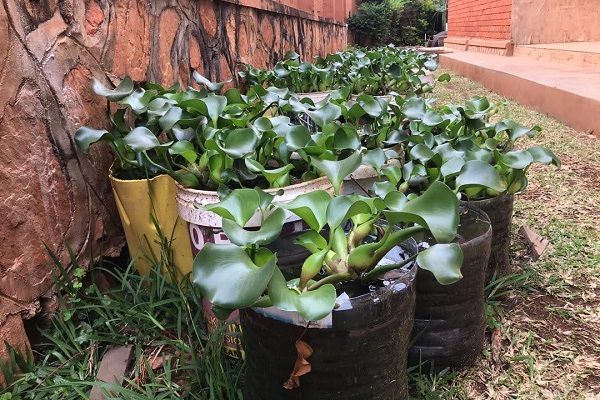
x: 567, y: 92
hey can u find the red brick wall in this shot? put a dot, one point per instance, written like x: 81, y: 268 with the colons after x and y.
x: 482, y: 19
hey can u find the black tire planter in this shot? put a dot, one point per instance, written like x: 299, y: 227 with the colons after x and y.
x: 500, y: 211
x: 449, y: 328
x: 361, y: 356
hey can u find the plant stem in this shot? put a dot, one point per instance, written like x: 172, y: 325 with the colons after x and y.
x: 330, y: 279
x: 160, y: 167
x: 385, y: 268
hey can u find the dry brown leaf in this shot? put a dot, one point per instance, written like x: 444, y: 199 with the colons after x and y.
x: 301, y: 367
x: 496, y: 344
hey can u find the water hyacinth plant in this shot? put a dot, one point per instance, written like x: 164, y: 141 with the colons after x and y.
x: 146, y: 121
x: 348, y: 237
x: 460, y: 146
x: 204, y: 139
x: 378, y: 72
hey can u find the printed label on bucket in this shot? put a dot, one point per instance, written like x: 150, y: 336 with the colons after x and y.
x: 232, y: 341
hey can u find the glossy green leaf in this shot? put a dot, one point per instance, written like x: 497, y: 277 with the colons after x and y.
x: 452, y: 167
x: 280, y: 294
x: 240, y: 142
x: 138, y: 100
x: 229, y: 278
x: 269, y: 230
x: 273, y: 176
x: 311, y: 207
x: 519, y: 159
x: 311, y: 266
x: 312, y: 305
x: 296, y: 137
x: 383, y: 188
x: 346, y: 138
x: 432, y: 118
x: 215, y: 106
x: 544, y: 155
x: 414, y: 108
x: 443, y: 261
x: 170, y: 118
x: 84, y: 137
x: 124, y: 89
x: 185, y: 149
x: 479, y: 173
x: 370, y: 105
x: 516, y: 130
x: 338, y: 170
x: 312, y: 241
x: 315, y: 305
x: 322, y: 116
x: 448, y: 152
x: 213, y: 87
x: 395, y: 201
x: 436, y: 209
x: 342, y: 208
x: 239, y: 205
x: 375, y: 158
x: 422, y: 153
x: 445, y: 77
x: 394, y: 173
x: 141, y: 139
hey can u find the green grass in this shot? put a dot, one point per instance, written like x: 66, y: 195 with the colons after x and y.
x: 162, y: 321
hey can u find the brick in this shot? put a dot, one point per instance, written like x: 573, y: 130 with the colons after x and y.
x: 481, y: 19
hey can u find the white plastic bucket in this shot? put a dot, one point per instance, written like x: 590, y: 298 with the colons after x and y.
x: 206, y: 227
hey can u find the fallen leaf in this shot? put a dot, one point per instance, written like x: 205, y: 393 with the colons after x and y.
x: 496, y: 344
x: 301, y: 367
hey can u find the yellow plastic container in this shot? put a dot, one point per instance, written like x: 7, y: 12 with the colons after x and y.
x: 137, y: 201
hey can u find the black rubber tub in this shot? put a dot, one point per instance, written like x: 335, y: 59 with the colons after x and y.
x: 361, y: 355
x: 449, y: 328
x: 500, y: 211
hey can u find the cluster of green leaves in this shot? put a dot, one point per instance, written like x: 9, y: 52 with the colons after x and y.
x: 143, y: 113
x: 294, y: 74
x: 460, y: 146
x: 348, y: 237
x: 401, y: 22
x: 378, y: 71
x: 204, y: 139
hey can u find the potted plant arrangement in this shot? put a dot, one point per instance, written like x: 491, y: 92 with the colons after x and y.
x: 459, y: 146
x: 230, y: 141
x: 141, y: 176
x: 345, y: 316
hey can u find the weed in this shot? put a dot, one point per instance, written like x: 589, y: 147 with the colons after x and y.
x: 162, y: 320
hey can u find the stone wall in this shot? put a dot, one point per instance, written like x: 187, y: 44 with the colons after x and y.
x: 49, y: 52
x: 480, y: 25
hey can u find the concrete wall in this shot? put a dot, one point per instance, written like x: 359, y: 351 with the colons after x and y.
x: 480, y: 25
x: 555, y: 21
x: 49, y: 52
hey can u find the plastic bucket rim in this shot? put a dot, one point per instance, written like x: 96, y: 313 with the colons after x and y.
x: 269, y: 190
x: 480, y: 212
